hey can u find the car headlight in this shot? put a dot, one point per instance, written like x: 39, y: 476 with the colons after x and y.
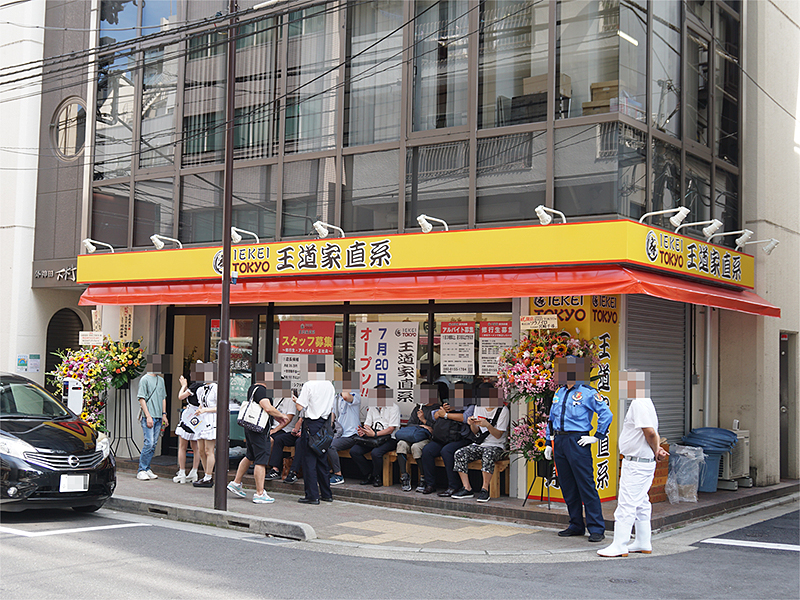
x: 14, y: 447
x: 104, y: 445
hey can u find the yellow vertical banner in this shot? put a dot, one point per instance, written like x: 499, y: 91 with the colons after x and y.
x: 596, y: 318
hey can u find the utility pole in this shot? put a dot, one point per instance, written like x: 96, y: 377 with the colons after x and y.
x: 224, y: 350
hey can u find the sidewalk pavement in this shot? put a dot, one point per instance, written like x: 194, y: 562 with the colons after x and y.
x: 391, y: 520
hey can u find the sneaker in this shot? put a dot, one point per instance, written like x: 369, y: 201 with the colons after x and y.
x: 447, y: 493
x: 463, y: 493
x: 291, y: 477
x: 236, y: 488
x: 142, y: 476
x: 180, y: 477
x: 483, y: 496
x: 264, y: 498
x: 204, y: 483
x: 151, y: 475
x: 405, y: 482
x: 273, y: 475
x: 336, y: 480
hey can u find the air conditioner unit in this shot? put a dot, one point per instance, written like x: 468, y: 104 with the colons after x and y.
x: 736, y: 463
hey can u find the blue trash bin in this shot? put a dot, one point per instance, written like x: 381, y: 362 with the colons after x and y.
x: 709, y: 474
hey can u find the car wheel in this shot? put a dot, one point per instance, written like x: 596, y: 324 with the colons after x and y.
x: 88, y: 509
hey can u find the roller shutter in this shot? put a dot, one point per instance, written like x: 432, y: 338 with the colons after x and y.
x: 656, y: 343
x: 63, y: 332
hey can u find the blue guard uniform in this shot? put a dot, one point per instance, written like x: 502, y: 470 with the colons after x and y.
x: 570, y: 418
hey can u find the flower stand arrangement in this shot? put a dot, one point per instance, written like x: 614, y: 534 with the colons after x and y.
x: 526, y: 374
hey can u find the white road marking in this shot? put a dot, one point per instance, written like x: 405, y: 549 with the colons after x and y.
x: 749, y: 544
x: 22, y: 533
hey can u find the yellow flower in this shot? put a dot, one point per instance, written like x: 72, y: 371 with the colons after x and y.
x: 540, y: 444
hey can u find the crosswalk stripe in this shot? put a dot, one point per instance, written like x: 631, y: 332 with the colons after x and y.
x: 22, y: 533
x: 749, y: 544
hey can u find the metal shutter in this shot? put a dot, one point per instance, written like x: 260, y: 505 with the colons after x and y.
x: 656, y: 342
x: 62, y: 333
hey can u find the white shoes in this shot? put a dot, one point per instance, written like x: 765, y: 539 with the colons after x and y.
x: 642, y: 542
x: 619, y: 547
x: 182, y: 477
x: 142, y: 476
x: 151, y: 475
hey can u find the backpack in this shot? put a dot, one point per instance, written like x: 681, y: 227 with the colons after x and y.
x: 446, y: 431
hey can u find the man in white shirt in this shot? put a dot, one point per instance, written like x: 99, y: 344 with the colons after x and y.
x: 316, y: 397
x: 489, y: 424
x: 383, y: 419
x: 639, y: 446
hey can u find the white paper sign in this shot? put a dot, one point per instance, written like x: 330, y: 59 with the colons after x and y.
x: 457, y: 348
x: 90, y: 338
x: 495, y: 336
x: 125, y: 323
x: 386, y: 353
x: 538, y: 322
x: 290, y: 369
x: 34, y: 363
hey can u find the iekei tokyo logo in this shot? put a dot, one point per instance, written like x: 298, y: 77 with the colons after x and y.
x: 651, y: 246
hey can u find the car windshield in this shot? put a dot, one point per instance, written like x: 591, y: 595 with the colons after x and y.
x: 20, y: 399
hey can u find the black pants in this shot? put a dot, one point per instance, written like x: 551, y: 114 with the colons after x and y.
x: 279, y: 441
x: 316, y: 480
x: 447, y: 452
x: 358, y: 451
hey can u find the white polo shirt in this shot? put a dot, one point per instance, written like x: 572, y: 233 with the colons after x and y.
x: 641, y: 413
x: 317, y: 397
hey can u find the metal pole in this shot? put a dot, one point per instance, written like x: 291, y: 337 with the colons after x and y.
x: 707, y: 369
x: 224, y: 350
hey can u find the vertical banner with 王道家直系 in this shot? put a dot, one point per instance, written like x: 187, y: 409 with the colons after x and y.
x: 386, y: 354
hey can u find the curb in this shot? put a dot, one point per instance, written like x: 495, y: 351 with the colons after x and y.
x: 202, y: 516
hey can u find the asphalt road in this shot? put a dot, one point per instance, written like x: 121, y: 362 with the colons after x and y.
x: 62, y: 554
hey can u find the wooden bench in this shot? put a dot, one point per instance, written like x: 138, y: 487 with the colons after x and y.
x: 495, y: 483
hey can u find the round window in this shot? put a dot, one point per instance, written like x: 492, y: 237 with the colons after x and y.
x: 69, y: 129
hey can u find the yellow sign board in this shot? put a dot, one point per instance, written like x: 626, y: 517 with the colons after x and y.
x: 553, y: 246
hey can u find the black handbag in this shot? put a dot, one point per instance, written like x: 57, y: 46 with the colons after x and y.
x: 320, y: 442
x: 372, y: 442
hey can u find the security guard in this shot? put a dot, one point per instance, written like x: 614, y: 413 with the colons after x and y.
x: 569, y: 427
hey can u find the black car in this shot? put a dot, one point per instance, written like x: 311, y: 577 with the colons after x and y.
x: 49, y: 458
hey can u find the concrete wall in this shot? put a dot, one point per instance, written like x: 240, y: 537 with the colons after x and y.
x: 749, y: 346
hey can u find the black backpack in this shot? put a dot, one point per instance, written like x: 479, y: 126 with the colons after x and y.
x: 446, y: 431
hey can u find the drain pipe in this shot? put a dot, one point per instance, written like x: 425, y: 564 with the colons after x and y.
x: 707, y: 374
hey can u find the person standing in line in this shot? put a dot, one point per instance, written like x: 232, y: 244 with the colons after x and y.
x: 569, y: 432
x: 153, y: 403
x: 640, y: 449
x: 207, y: 434
x: 187, y: 431
x: 258, y: 444
x: 316, y: 397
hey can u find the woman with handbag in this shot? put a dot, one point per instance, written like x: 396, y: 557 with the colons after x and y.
x: 376, y: 436
x: 257, y: 447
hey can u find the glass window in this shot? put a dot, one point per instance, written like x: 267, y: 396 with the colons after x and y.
x: 727, y: 205
x: 337, y: 336
x: 256, y: 116
x: 440, y: 64
x: 511, y: 177
x: 697, y: 89
x: 586, y: 163
x: 726, y: 94
x: 587, y: 55
x: 110, y: 209
x: 308, y: 194
x: 632, y: 171
x: 512, y: 80
x: 632, y: 35
x: 666, y: 181
x: 370, y: 192
x: 201, y: 208
x: 204, y: 102
x: 437, y: 183
x: 114, y: 118
x: 118, y: 21
x: 159, y: 93
x: 69, y: 129
x: 698, y: 192
x: 152, y: 210
x: 158, y: 14
x: 312, y: 79
x: 372, y: 95
x: 255, y: 199
x: 702, y: 10
x: 666, y: 76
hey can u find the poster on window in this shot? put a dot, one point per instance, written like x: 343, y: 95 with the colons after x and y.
x: 297, y: 338
x: 457, y: 349
x: 493, y: 338
x: 125, y: 323
x: 386, y: 353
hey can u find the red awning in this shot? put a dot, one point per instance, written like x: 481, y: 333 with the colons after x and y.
x: 570, y: 281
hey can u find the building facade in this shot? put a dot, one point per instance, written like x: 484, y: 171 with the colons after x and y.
x: 366, y: 115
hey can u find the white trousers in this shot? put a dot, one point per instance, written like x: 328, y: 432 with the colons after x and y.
x: 633, y: 504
